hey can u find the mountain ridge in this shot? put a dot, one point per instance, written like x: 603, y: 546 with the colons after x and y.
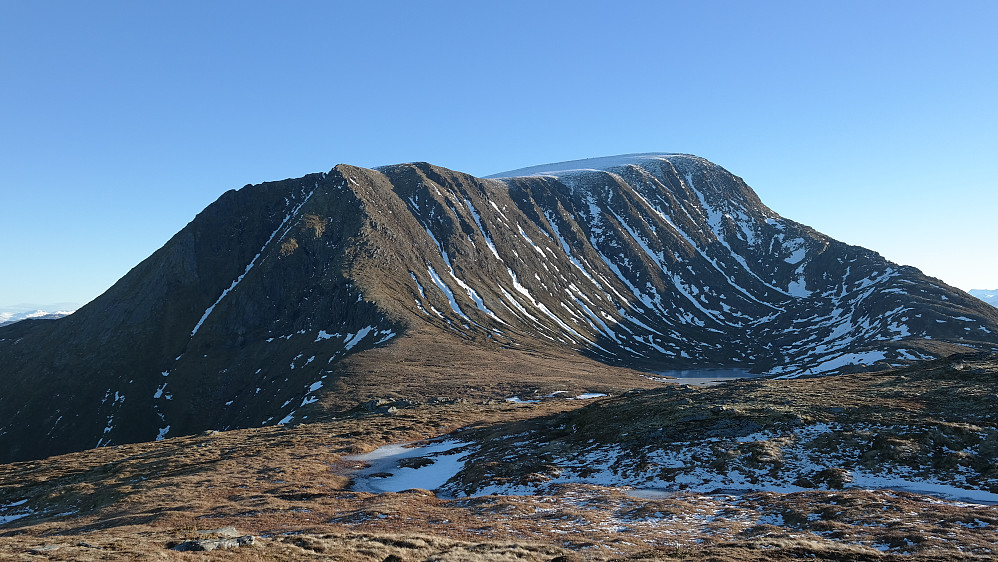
x: 584, y: 165
x: 280, y: 301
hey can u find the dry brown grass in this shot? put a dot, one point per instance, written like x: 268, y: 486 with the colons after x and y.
x: 289, y: 487
x: 315, y: 223
x: 288, y: 247
x: 427, y: 365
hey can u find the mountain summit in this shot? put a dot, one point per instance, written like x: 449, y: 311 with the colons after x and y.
x: 289, y: 299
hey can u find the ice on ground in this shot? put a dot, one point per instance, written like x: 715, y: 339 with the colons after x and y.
x: 159, y: 391
x: 444, y: 465
x: 861, y: 479
x: 863, y: 358
x: 529, y: 241
x: 798, y: 288
x: 446, y: 290
x: 478, y: 221
x: 354, y: 339
x: 323, y: 335
x: 17, y: 514
x: 385, y: 336
x: 4, y: 519
x: 540, y: 306
x: 798, y: 250
x: 689, y: 469
x: 908, y: 354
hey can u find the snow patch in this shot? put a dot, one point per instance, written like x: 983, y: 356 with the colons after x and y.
x: 442, y: 465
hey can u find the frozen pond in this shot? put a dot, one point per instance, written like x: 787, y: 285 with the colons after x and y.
x: 703, y: 377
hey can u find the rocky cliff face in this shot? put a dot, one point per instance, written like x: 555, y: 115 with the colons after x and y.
x: 657, y: 262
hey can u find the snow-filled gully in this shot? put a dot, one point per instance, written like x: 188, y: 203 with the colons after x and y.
x: 287, y: 217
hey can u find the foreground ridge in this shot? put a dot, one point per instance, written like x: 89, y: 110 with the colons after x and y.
x: 864, y: 466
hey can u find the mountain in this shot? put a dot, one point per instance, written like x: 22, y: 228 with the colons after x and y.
x: 9, y: 317
x: 293, y: 300
x: 990, y: 297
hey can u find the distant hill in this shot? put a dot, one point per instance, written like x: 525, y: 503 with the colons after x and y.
x: 9, y: 317
x: 286, y: 301
x: 990, y: 297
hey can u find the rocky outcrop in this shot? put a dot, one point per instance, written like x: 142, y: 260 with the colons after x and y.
x: 224, y: 538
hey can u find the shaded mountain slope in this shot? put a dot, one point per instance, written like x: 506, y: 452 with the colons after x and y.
x: 187, y: 330
x: 280, y: 300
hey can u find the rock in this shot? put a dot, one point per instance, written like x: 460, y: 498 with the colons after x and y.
x: 230, y: 532
x: 205, y: 545
x: 372, y: 405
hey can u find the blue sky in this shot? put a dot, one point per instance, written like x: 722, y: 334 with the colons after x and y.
x: 874, y: 122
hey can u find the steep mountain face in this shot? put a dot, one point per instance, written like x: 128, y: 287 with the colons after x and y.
x: 259, y: 307
x: 667, y: 261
